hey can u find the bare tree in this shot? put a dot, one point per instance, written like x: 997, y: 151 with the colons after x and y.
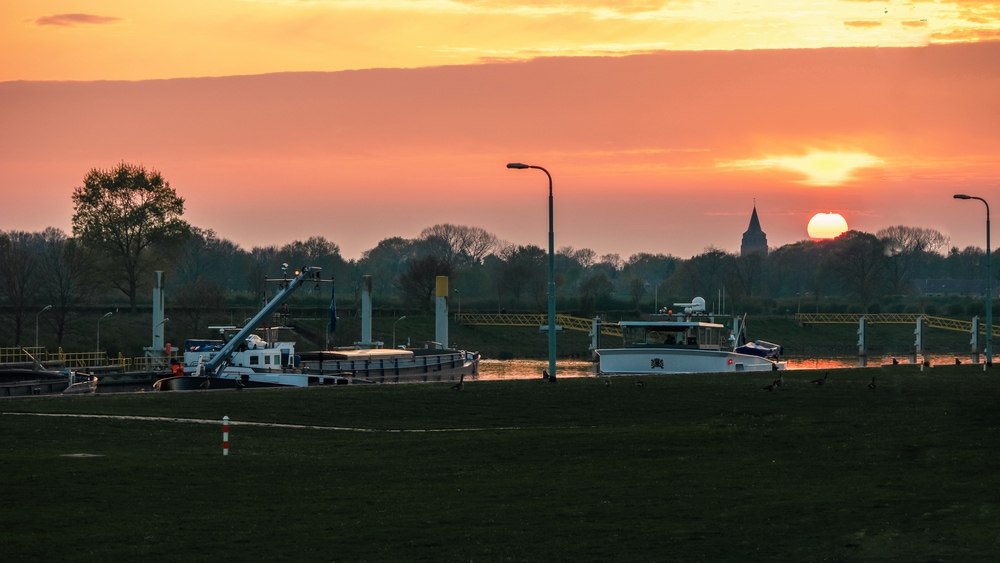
x: 19, y: 271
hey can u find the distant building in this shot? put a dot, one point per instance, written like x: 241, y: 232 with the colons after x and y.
x: 754, y: 240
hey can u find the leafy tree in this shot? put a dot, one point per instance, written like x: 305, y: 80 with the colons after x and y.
x: 131, y: 218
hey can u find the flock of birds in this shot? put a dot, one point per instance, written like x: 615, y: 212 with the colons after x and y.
x: 817, y: 382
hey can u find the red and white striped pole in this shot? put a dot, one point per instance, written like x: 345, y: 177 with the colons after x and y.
x: 225, y: 435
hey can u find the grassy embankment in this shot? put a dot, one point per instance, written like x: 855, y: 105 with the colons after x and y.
x: 687, y: 468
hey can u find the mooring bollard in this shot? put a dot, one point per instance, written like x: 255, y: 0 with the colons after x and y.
x: 225, y: 435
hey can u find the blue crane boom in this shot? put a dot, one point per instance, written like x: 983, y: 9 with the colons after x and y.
x: 224, y: 355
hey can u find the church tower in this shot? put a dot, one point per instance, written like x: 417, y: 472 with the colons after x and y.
x: 754, y: 240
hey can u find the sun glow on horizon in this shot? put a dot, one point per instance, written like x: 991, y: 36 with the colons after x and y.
x: 821, y: 168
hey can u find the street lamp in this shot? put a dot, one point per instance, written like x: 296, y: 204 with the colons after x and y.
x: 459, y: 295
x: 155, y: 327
x: 394, y: 330
x: 989, y: 279
x: 106, y: 315
x: 46, y: 308
x: 552, y: 272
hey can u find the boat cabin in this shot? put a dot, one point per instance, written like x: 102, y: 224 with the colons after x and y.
x: 672, y: 334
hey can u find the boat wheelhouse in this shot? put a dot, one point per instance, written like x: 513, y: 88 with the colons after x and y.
x: 690, y: 342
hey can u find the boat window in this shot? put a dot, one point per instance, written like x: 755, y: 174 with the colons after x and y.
x: 267, y: 359
x: 254, y: 360
x: 277, y: 360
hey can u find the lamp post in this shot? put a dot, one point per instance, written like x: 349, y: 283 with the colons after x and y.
x: 394, y: 330
x: 106, y: 315
x: 459, y: 295
x: 159, y: 324
x: 989, y: 280
x: 46, y: 308
x: 552, y: 272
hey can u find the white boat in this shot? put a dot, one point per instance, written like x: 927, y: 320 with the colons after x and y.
x: 257, y: 362
x: 686, y: 342
x: 242, y: 358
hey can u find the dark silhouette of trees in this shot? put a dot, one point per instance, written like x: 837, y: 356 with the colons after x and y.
x: 131, y: 219
x: 20, y: 275
x: 906, y: 249
x: 66, y: 280
x: 857, y: 259
x: 524, y: 271
x: 418, y: 284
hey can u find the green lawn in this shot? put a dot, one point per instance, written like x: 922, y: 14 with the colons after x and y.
x: 686, y: 468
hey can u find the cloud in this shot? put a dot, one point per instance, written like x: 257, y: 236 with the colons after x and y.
x: 71, y: 20
x: 862, y: 23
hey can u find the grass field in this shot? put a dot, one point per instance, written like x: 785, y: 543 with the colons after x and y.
x: 685, y: 468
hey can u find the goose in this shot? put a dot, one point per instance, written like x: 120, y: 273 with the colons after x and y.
x: 770, y: 387
x: 780, y: 381
x: 461, y: 383
x: 821, y: 380
x: 640, y: 383
x: 872, y: 384
x: 204, y: 385
x: 607, y: 383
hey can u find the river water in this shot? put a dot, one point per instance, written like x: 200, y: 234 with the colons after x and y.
x: 532, y: 369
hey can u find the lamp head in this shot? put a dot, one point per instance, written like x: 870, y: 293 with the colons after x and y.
x: 517, y: 166
x: 962, y: 196
x: 108, y: 314
x: 45, y: 308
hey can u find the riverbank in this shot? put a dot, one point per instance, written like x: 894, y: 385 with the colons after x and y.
x: 710, y: 468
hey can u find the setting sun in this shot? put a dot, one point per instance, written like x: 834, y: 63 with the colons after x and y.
x: 826, y: 226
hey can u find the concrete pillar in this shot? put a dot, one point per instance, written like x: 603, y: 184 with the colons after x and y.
x: 366, y: 313
x: 441, y: 311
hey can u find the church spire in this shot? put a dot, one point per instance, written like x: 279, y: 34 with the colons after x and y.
x: 754, y: 239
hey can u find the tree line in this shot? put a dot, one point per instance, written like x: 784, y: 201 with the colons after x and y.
x: 128, y: 222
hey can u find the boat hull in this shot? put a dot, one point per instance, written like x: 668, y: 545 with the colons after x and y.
x: 647, y: 361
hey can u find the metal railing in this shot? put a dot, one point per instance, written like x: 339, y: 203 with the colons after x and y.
x: 534, y: 320
x: 80, y: 360
x: 891, y: 318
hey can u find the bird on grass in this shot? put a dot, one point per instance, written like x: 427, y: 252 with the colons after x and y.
x: 204, y: 385
x: 771, y: 387
x: 461, y: 383
x: 780, y: 381
x: 607, y: 383
x: 872, y: 384
x: 640, y: 383
x: 821, y: 380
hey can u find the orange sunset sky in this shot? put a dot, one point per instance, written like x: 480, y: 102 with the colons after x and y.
x: 358, y: 120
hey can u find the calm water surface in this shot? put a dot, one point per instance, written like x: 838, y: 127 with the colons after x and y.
x: 531, y: 369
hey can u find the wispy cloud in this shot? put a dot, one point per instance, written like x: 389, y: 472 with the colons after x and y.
x: 862, y: 23
x: 71, y: 20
